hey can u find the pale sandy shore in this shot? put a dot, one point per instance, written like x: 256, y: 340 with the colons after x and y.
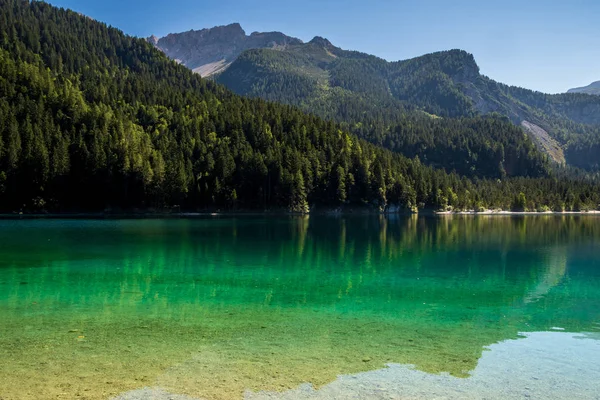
x: 544, y: 365
x: 502, y: 212
x: 326, y: 212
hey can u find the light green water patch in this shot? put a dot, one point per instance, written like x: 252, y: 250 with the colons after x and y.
x: 213, y: 307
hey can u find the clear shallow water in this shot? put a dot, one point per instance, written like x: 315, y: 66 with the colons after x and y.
x: 214, y: 307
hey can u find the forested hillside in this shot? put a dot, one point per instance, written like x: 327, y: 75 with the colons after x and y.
x: 92, y: 119
x: 373, y: 97
x: 592, y: 88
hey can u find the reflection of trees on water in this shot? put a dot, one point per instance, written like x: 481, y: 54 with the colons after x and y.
x: 554, y: 272
x: 376, y: 264
x: 331, y: 292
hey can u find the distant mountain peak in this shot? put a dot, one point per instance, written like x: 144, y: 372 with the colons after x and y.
x: 235, y: 25
x: 210, y: 51
x: 230, y: 30
x: 254, y: 34
x: 153, y: 39
x: 233, y: 28
x: 593, y: 88
x: 321, y: 41
x: 465, y: 56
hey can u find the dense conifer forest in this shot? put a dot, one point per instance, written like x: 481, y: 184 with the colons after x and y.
x: 379, y: 101
x: 92, y: 119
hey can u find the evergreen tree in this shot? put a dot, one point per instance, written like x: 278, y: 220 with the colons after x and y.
x: 92, y: 119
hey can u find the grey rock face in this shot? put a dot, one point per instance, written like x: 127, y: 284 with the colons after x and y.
x: 210, y: 51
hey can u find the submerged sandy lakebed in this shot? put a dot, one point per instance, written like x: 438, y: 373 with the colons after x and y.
x: 299, y: 307
x: 542, y: 365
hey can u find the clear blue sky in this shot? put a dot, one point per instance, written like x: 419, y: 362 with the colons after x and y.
x: 549, y: 46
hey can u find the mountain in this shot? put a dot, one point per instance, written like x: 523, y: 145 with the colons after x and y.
x: 92, y: 119
x: 209, y: 51
x: 362, y: 92
x: 373, y: 97
x: 593, y: 88
x: 355, y: 88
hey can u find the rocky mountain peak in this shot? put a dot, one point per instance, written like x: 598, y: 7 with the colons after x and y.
x: 210, y: 51
x: 467, y: 65
x: 321, y: 41
x: 226, y: 31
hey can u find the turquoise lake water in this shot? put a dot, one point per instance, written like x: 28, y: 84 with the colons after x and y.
x: 222, y: 307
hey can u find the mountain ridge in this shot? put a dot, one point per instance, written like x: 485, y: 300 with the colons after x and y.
x: 210, y: 51
x: 446, y: 84
x: 592, y: 88
x: 322, y: 78
x: 94, y: 119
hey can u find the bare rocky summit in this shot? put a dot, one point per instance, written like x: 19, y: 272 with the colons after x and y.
x: 210, y: 51
x: 153, y: 39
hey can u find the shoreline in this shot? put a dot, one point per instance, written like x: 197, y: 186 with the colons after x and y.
x: 279, y: 213
x: 502, y: 212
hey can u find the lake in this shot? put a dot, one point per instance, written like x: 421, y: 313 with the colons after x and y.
x: 300, y: 307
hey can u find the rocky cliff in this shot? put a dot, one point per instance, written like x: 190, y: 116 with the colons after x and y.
x: 210, y: 51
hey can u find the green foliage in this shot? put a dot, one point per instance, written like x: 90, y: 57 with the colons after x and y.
x: 520, y: 202
x: 390, y: 104
x: 92, y: 119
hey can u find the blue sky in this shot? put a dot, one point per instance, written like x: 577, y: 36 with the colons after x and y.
x: 549, y: 46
